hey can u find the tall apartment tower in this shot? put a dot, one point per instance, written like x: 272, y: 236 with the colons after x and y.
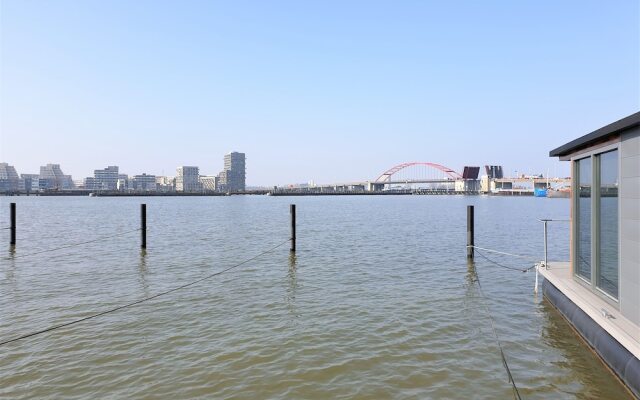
x: 188, y: 179
x: 232, y: 178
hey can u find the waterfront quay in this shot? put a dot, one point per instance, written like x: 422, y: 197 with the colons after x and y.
x: 276, y: 192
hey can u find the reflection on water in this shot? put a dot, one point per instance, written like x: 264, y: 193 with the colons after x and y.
x: 142, y: 272
x: 378, y: 302
x: 11, y: 265
x: 580, y: 363
x: 293, y: 284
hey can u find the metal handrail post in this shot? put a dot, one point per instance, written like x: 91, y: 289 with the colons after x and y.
x: 546, y: 260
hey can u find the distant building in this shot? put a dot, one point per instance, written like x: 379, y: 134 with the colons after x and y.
x: 9, y: 179
x: 232, y: 178
x: 122, y: 185
x: 222, y: 181
x: 52, y: 178
x: 165, y: 183
x: 494, y: 171
x: 144, y: 182
x: 187, y: 179
x: 30, y: 182
x: 104, y: 179
x: 209, y: 183
x: 90, y: 183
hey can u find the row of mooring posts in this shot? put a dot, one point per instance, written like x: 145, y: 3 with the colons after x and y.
x: 292, y: 212
x: 143, y: 225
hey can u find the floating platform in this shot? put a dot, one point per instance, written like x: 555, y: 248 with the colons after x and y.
x: 613, y: 337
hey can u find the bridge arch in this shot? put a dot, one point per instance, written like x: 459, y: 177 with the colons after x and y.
x: 386, y: 176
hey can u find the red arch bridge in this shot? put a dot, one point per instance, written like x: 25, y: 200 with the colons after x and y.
x: 411, y: 175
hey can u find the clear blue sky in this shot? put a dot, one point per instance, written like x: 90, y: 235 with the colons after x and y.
x: 310, y: 90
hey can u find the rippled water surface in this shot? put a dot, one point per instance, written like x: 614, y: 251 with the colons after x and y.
x: 378, y: 302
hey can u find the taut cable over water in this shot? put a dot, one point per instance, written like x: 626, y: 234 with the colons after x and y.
x: 74, y: 244
x: 55, y: 327
x: 516, y: 393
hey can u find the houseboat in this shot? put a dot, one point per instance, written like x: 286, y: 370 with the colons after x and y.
x: 598, y: 290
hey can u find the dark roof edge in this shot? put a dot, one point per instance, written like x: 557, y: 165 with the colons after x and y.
x: 620, y: 125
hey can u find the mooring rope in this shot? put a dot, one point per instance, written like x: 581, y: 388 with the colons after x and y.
x: 503, y: 253
x: 505, y: 266
x: 516, y: 393
x: 52, y: 328
x: 73, y: 244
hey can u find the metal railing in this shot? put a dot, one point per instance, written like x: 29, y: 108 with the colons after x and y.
x: 546, y: 255
x: 545, y: 262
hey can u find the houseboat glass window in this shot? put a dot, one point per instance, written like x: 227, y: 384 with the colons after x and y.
x: 583, y: 214
x: 607, y: 277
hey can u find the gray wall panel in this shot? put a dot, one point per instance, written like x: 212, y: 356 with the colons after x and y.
x: 632, y: 143
x: 630, y: 225
x: 630, y: 167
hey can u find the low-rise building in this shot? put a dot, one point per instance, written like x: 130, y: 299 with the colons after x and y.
x: 90, y: 183
x: 30, y: 182
x: 144, y: 182
x: 165, y: 183
x: 209, y: 183
x: 107, y: 178
x: 122, y: 185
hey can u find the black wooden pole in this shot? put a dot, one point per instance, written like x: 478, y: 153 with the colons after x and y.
x: 292, y: 209
x: 13, y: 224
x: 470, y: 232
x: 143, y: 225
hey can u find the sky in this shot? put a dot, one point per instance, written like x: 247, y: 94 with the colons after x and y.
x: 324, y: 91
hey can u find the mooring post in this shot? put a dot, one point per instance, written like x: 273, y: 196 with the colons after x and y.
x: 292, y: 209
x: 143, y: 226
x: 12, y: 241
x: 470, y: 232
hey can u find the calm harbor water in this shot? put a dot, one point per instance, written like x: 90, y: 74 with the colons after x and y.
x: 379, y: 301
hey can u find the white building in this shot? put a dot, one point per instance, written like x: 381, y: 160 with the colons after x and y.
x: 187, y: 179
x: 209, y: 183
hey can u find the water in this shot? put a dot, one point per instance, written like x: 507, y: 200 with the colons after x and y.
x: 378, y: 302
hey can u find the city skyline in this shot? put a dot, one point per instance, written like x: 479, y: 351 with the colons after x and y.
x: 186, y: 179
x: 507, y: 173
x: 327, y: 92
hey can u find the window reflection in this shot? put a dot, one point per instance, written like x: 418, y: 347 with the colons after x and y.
x: 607, y: 277
x: 583, y: 220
